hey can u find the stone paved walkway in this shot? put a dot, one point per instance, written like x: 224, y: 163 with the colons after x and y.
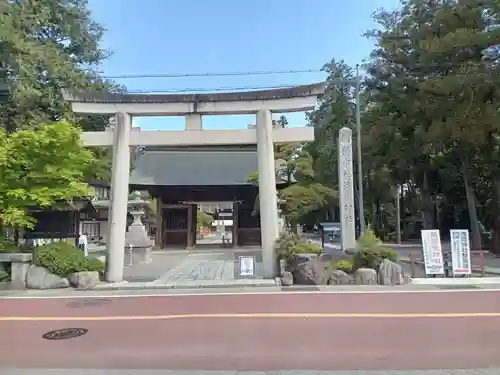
x: 194, y: 268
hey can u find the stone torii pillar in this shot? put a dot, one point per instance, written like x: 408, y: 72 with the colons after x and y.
x: 119, y: 198
x: 268, y: 204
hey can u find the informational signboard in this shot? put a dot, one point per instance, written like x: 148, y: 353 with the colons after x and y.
x: 433, y: 255
x: 247, y: 266
x: 460, y: 252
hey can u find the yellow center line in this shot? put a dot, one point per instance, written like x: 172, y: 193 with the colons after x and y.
x: 252, y: 316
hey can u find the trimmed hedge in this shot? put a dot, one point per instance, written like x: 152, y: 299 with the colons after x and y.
x: 63, y: 259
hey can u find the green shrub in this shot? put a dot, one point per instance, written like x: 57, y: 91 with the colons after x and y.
x: 308, y: 247
x: 4, y: 276
x: 285, y: 246
x: 94, y: 264
x: 8, y: 246
x: 62, y: 259
x: 370, y: 252
x: 289, y: 244
x: 368, y: 241
x: 345, y: 265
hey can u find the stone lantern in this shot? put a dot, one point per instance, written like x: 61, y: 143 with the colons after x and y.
x: 281, y: 219
x: 137, y: 243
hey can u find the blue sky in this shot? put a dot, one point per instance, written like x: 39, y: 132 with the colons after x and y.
x: 214, y: 36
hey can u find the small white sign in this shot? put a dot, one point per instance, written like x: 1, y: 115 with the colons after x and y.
x: 225, y: 214
x: 460, y: 252
x: 247, y: 266
x: 433, y: 255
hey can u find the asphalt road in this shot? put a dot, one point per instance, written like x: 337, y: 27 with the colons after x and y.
x: 257, y: 332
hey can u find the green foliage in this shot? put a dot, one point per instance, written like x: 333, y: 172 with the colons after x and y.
x: 4, y: 276
x: 302, y: 194
x: 46, y: 45
x: 8, y: 246
x: 370, y: 252
x: 290, y: 244
x: 285, y: 246
x: 62, y: 259
x: 335, y: 111
x: 373, y: 257
x: 431, y: 115
x: 368, y: 241
x: 40, y: 168
x: 304, y: 246
x: 94, y: 264
x: 203, y: 220
x: 253, y: 178
x: 299, y: 200
x: 345, y: 265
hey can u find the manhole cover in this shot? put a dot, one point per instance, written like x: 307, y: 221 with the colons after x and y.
x: 65, y: 333
x: 451, y: 287
x: 91, y: 302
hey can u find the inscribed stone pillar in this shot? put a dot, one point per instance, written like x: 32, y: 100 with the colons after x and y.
x: 119, y: 198
x: 346, y: 187
x: 267, y: 191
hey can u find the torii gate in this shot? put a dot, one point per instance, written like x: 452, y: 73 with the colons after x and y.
x: 193, y: 106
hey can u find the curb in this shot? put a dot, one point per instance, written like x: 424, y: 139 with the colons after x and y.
x: 143, y: 286
x: 456, y: 281
x: 476, y: 270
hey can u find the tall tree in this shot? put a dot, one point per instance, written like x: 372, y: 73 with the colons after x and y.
x: 336, y: 110
x: 45, y: 46
x: 432, y: 88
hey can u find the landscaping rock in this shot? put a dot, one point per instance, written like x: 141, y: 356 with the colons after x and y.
x: 84, y: 280
x: 339, y: 277
x: 309, y: 273
x: 305, y: 257
x: 42, y: 278
x: 335, y: 257
x: 390, y: 273
x: 301, y: 258
x: 287, y: 279
x: 365, y: 276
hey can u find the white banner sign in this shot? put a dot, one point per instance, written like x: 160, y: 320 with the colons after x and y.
x: 460, y: 252
x: 247, y: 266
x: 433, y: 255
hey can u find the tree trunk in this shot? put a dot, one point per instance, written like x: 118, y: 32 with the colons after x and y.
x: 495, y: 248
x: 471, y: 207
x: 16, y: 236
x: 426, y: 199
